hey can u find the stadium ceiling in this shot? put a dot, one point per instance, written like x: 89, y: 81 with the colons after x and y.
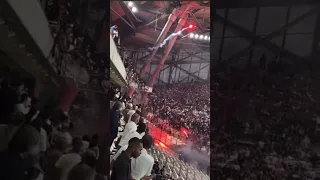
x: 219, y: 4
x: 142, y: 28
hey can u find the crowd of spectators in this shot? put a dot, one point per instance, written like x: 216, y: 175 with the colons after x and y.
x: 133, y: 143
x: 132, y: 78
x: 264, y: 124
x: 74, y: 51
x: 36, y: 143
x: 184, y: 106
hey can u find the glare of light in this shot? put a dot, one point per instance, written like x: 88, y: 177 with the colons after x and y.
x: 191, y: 35
x: 196, y: 36
x: 209, y: 38
x: 130, y: 3
x: 190, y: 26
x: 205, y: 37
x: 134, y: 9
x: 201, y: 36
x: 162, y: 145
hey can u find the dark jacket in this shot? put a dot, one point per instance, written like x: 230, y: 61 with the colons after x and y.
x: 114, y: 122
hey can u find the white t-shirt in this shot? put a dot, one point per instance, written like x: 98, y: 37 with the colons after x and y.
x: 132, y: 134
x: 130, y: 113
x: 142, y: 166
x: 66, y: 163
x: 130, y: 126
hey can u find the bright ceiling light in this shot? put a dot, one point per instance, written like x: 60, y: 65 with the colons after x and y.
x: 134, y: 9
x: 209, y: 38
x: 205, y: 37
x: 130, y: 3
x: 196, y: 36
x: 201, y: 36
x: 191, y: 35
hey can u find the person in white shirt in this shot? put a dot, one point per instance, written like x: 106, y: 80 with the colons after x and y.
x: 68, y: 161
x: 139, y: 133
x: 142, y: 166
x: 129, y: 115
x: 131, y: 125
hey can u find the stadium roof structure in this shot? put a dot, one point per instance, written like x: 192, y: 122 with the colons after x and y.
x: 260, y: 3
x: 140, y: 29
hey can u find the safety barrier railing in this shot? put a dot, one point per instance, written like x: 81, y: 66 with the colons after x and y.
x: 116, y: 59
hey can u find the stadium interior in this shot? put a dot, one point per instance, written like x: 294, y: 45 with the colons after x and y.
x: 165, y: 50
x: 91, y: 90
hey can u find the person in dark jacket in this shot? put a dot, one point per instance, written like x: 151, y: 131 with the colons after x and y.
x: 17, y: 163
x: 115, y: 115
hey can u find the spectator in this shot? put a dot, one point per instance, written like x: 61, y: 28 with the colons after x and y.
x: 24, y: 105
x: 8, y: 130
x: 89, y: 158
x: 132, y: 124
x: 115, y: 121
x: 67, y: 161
x: 115, y: 34
x: 86, y: 140
x: 17, y: 162
x: 139, y: 133
x: 122, y: 166
x: 143, y: 165
x: 81, y: 172
x: 93, y: 146
x: 60, y: 147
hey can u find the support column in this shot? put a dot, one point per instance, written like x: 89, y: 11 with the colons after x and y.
x: 181, y: 23
x: 68, y: 97
x: 172, y: 18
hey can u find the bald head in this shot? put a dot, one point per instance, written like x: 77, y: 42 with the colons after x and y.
x: 135, y: 118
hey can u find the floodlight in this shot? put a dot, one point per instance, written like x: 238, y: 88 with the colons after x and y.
x: 134, y: 9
